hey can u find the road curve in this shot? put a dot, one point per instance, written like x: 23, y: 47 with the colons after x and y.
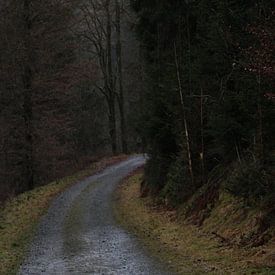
x: 79, y: 235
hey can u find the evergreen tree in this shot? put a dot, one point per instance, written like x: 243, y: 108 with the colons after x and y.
x: 203, y: 109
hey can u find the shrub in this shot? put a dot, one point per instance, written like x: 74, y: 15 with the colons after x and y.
x: 178, y: 186
x: 156, y: 173
x: 250, y: 181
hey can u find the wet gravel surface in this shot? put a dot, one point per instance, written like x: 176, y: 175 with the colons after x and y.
x: 79, y: 235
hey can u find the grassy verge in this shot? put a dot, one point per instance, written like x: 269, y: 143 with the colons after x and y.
x: 19, y: 216
x: 186, y: 248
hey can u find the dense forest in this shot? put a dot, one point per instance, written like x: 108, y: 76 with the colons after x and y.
x: 197, y: 90
x: 208, y: 109
x: 190, y: 81
x: 64, y: 96
x: 128, y: 122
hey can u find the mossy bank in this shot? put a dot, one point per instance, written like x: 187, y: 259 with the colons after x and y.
x: 191, y: 249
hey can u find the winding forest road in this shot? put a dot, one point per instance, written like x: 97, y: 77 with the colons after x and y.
x: 79, y: 234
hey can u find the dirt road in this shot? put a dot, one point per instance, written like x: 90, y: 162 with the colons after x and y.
x: 79, y: 234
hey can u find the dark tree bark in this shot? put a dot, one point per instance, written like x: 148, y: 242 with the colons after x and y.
x: 111, y: 87
x: 121, y: 101
x: 27, y: 78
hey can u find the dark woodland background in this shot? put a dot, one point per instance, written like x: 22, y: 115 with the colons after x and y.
x: 189, y: 82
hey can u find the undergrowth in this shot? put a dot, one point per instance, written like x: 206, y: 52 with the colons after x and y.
x: 250, y: 181
x: 196, y: 249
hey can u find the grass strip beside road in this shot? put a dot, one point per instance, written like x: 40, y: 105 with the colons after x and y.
x: 20, y: 215
x: 185, y: 248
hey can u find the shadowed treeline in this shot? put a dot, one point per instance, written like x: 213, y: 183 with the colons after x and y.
x: 68, y: 86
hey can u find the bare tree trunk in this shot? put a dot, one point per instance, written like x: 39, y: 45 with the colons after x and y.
x: 121, y: 102
x: 189, y: 49
x: 112, y: 125
x: 187, y: 139
x: 27, y: 93
x: 202, y: 141
x: 111, y: 88
x: 260, y: 143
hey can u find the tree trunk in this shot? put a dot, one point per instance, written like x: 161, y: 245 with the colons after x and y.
x: 202, y: 140
x: 121, y: 102
x: 185, y: 125
x: 189, y: 49
x: 27, y: 93
x: 112, y: 125
x: 111, y: 88
x: 259, y: 134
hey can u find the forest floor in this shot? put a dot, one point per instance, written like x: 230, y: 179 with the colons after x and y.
x: 19, y: 216
x: 188, y: 249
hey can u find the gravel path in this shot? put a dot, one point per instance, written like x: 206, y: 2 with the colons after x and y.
x: 79, y: 235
